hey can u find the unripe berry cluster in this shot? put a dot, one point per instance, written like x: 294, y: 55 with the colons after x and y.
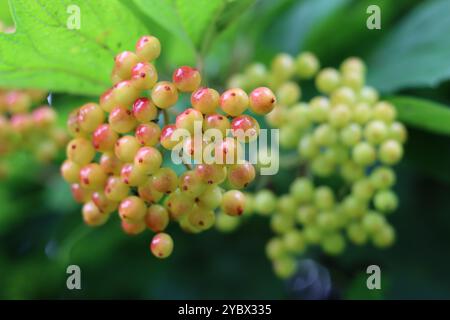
x: 24, y: 127
x: 115, y: 160
x: 346, y: 136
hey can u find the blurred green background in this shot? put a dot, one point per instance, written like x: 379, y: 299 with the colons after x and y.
x: 41, y: 230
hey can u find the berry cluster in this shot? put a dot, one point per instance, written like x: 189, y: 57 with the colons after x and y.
x: 23, y: 128
x: 347, y: 141
x: 130, y: 175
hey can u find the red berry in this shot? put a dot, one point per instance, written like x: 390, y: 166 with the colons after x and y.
x: 205, y: 100
x: 124, y: 62
x: 262, y: 100
x: 186, y: 79
x: 144, y: 110
x: 217, y: 121
x: 121, y: 120
x: 104, y: 138
x: 245, y: 128
x: 92, y: 177
x: 144, y: 75
x: 188, y: 119
x: 148, y: 134
x: 133, y: 228
x: 148, y: 48
x: 157, y: 218
x: 166, y: 137
x: 234, y: 101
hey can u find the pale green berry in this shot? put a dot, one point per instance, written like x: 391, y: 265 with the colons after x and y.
x: 362, y: 113
x: 384, y: 111
x: 397, y: 131
x: 289, y: 136
x: 386, y: 201
x: 339, y: 116
x: 353, y: 64
x: 376, y: 131
x: 282, y: 223
x: 294, y: 241
x: 322, y: 166
x: 319, y: 108
x: 325, y: 135
x: 368, y: 95
x: 283, y: 66
x: 327, y: 220
x: 306, y: 65
x: 256, y: 74
x: 383, y: 178
x: 343, y: 95
x: 385, y: 237
x: 313, y: 234
x: 364, y: 154
x: 306, y: 215
x: 327, y: 80
x: 302, y: 190
x: 373, y: 222
x: 351, y: 171
x: 354, y: 207
x: 353, y: 80
x: 391, y: 151
x: 363, y: 189
x: 336, y: 154
x: 226, y: 223
x: 286, y: 205
x: 298, y: 116
x: 333, y: 244
x: 307, y: 148
x: 356, y: 233
x: 324, y: 198
x: 284, y: 267
x: 288, y: 93
x: 265, y: 202
x: 237, y: 81
x: 275, y: 248
x: 351, y: 134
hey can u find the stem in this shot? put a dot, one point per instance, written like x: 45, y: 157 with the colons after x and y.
x: 187, y: 166
x: 166, y: 117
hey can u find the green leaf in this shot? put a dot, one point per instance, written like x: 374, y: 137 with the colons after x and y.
x: 423, y: 114
x: 44, y: 53
x: 5, y: 15
x: 416, y: 53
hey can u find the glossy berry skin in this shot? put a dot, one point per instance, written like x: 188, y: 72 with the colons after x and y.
x: 205, y: 100
x: 126, y: 148
x: 108, y: 101
x: 90, y: 116
x: 217, y: 121
x: 116, y: 189
x: 144, y: 76
x: 211, y: 173
x: 80, y: 194
x: 70, y: 171
x: 364, y: 154
x: 148, y: 134
x: 103, y: 203
x: 166, y: 137
x: 179, y: 204
x: 92, y: 177
x: 165, y: 180
x: 132, y: 175
x: 191, y: 184
x: 283, y: 66
x: 288, y: 93
x: 327, y: 80
x: 228, y: 151
x: 92, y: 215
x: 234, y: 101
x: 147, y: 192
x: 132, y: 209
x: 306, y: 65
x: 45, y: 116
x: 104, y: 138
x: 186, y: 79
x: 157, y: 218
x: 376, y: 131
x: 148, y: 160
x: 148, y: 48
x: 245, y: 128
x: 211, y: 198
x: 164, y: 94
x: 201, y: 218
x: 188, y: 119
x: 125, y: 92
x: 132, y: 229
x: 391, y: 151
x: 124, y: 62
x: 73, y: 126
x: 161, y: 245
x: 80, y: 151
x: 240, y: 175
x: 233, y: 203
x: 121, y: 120
x: 110, y: 164
x: 386, y: 201
x: 144, y: 110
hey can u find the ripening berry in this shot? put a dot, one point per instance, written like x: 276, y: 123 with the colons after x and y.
x: 121, y: 120
x: 234, y: 101
x: 298, y: 116
x: 144, y: 110
x: 70, y: 171
x: 302, y: 190
x: 144, y: 76
x: 193, y: 149
x: 148, y: 160
x: 166, y: 139
x: 281, y: 223
x: 364, y: 154
x: 211, y: 198
x: 211, y: 173
x: 164, y: 94
x: 324, y: 198
x: 132, y: 209
x: 201, y: 218
x: 397, y: 131
x: 385, y: 201
x: 333, y: 243
x: 161, y: 245
x: 284, y: 267
x: 283, y: 66
x: 147, y: 191
x: 179, y: 203
x: 132, y: 229
x: 73, y: 126
x: 240, y: 175
x: 384, y: 111
x: 325, y: 135
x: 385, y: 237
x: 205, y: 100
x: 132, y: 175
x: 80, y: 151
x: 306, y: 65
x: 391, y: 151
x: 233, y: 203
x: 45, y: 116
x: 188, y: 119
x: 356, y: 233
x: 191, y: 184
x: 339, y: 116
x: 126, y: 148
x: 80, y: 194
x: 319, y: 108
x: 92, y: 215
x: 343, y: 95
x: 288, y: 93
x: 148, y: 48
x: 92, y: 176
x: 228, y: 151
x: 124, y: 62
x: 103, y: 203
x: 116, y: 189
x: 265, y: 202
x: 328, y: 80
x: 104, y: 138
x: 262, y: 100
x: 186, y: 79
x: 157, y: 218
x: 373, y: 222
x: 17, y: 101
x: 351, y: 134
x: 165, y: 180
x: 186, y: 225
x: 148, y: 134
x: 376, y: 131
x: 108, y: 101
x: 110, y: 164
x: 382, y: 178
x: 245, y: 128
x: 217, y: 121
x: 125, y: 92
